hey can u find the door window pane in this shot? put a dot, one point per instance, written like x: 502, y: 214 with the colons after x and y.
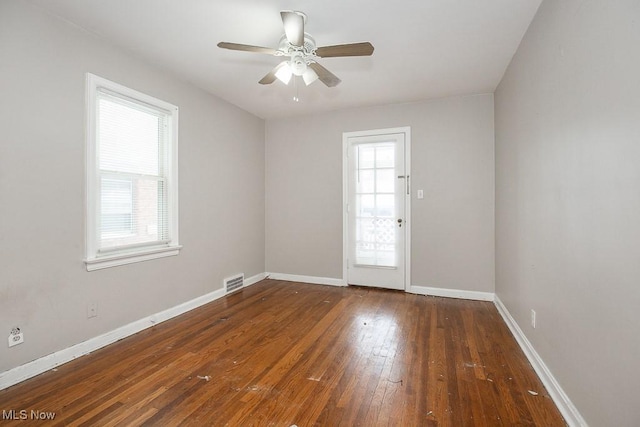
x: 385, y: 180
x: 385, y: 205
x: 385, y: 156
x: 375, y: 184
x: 366, y: 206
x: 365, y: 181
x: 366, y: 156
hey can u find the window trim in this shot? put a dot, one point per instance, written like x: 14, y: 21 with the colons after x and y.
x: 94, y: 259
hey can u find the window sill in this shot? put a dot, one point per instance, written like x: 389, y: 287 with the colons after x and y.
x: 115, y: 260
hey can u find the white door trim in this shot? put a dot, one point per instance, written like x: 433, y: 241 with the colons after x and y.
x: 406, y: 130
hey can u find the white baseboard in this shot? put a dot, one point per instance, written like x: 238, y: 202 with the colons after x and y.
x: 452, y: 293
x: 50, y: 361
x: 254, y: 279
x: 307, y: 279
x: 421, y: 290
x: 562, y: 401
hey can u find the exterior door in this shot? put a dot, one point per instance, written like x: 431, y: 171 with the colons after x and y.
x: 377, y: 188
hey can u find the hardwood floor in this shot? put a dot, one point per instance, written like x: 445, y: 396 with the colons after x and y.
x: 283, y: 353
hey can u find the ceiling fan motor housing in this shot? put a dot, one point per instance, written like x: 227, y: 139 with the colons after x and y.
x: 308, y: 48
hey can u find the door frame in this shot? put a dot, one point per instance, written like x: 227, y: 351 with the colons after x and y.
x: 406, y: 130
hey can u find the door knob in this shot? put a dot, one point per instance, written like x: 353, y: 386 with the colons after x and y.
x: 400, y: 222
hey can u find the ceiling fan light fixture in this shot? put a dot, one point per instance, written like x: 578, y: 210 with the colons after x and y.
x: 284, y: 74
x: 298, y: 65
x: 309, y: 76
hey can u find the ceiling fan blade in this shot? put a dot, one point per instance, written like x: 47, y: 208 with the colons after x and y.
x: 325, y: 76
x: 351, y: 49
x: 293, y: 23
x: 271, y: 76
x: 247, y: 48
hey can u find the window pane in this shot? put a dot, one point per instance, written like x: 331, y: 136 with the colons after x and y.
x: 375, y: 220
x: 365, y: 181
x: 365, y: 233
x: 365, y: 205
x: 117, y: 207
x: 128, y: 138
x: 385, y: 205
x: 366, y: 157
x: 375, y: 242
x: 385, y: 180
x: 385, y: 156
x: 147, y: 212
x: 385, y: 233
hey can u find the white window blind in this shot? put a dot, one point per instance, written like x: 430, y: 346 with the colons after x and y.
x: 133, y: 168
x: 131, y: 146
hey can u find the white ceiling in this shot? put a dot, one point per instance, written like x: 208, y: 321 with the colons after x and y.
x: 423, y: 48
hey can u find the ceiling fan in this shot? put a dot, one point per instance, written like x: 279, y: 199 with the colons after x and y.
x: 302, y: 52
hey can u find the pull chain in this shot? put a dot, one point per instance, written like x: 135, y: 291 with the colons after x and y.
x: 296, y: 98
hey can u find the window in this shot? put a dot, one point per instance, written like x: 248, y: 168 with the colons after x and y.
x: 132, y: 170
x: 375, y: 201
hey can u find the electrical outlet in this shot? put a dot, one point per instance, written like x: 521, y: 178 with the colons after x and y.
x: 533, y: 318
x: 15, y: 337
x: 92, y: 310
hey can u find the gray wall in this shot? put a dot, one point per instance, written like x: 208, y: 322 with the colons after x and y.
x: 568, y: 200
x: 452, y: 161
x: 44, y: 287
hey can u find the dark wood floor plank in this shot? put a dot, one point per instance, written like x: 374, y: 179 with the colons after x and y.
x: 282, y: 353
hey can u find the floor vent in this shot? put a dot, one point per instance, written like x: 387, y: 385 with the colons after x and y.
x: 234, y: 283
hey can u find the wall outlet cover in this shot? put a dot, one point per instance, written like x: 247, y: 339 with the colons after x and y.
x: 92, y: 310
x: 15, y: 337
